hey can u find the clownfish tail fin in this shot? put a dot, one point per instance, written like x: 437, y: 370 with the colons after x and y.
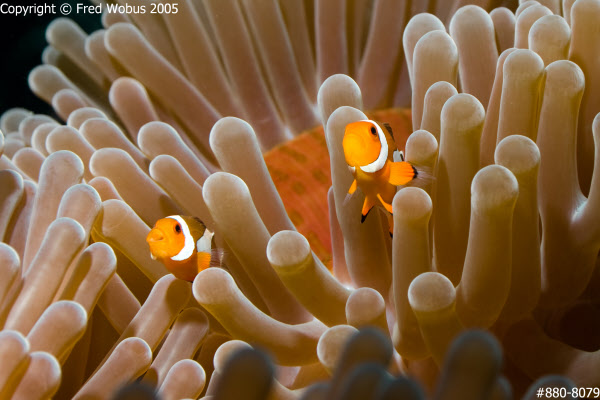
x: 216, y: 257
x: 405, y: 173
x: 423, y: 176
x: 401, y: 173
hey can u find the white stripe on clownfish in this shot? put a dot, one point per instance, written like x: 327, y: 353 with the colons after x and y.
x: 188, y: 247
x: 204, y: 244
x: 383, y: 153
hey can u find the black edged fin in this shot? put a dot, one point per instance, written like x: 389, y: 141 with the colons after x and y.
x: 363, y: 217
x: 422, y: 176
x: 388, y: 128
x: 193, y: 222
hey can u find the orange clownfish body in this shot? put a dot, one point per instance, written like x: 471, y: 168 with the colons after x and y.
x: 369, y: 151
x: 183, y: 244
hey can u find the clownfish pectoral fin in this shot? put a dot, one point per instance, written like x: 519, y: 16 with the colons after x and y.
x: 367, y: 206
x: 364, y: 216
x: 351, y: 192
x: 353, y: 187
x: 387, y: 206
x: 401, y: 173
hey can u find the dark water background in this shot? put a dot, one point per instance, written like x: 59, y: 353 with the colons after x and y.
x: 22, y: 41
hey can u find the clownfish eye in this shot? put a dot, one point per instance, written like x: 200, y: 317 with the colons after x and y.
x: 178, y: 228
x: 373, y: 130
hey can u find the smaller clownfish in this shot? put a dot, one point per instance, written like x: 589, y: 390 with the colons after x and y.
x: 184, y: 245
x: 369, y: 151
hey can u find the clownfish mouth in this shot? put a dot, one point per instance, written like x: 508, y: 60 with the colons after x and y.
x: 354, y: 149
x: 158, y: 244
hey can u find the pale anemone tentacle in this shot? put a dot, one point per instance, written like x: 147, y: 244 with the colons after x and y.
x: 532, y: 91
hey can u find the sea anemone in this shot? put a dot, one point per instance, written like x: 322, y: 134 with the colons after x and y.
x: 488, y: 287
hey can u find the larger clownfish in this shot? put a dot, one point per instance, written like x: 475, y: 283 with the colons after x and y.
x: 369, y: 152
x: 184, y: 245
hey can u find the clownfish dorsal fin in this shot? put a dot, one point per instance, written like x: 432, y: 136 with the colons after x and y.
x: 198, y: 220
x: 393, y: 144
x: 388, y: 128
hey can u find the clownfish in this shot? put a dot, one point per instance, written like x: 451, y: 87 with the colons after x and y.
x: 369, y: 151
x: 184, y: 245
